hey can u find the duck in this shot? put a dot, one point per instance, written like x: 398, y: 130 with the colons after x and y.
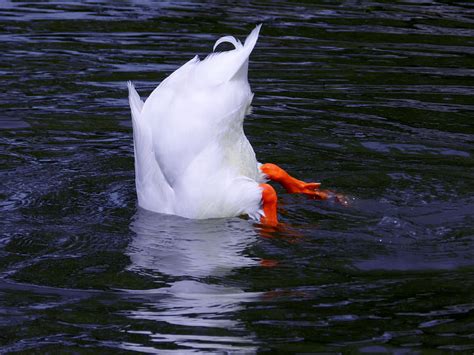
x: 192, y: 157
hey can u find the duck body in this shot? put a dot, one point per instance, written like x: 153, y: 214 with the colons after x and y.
x: 192, y: 157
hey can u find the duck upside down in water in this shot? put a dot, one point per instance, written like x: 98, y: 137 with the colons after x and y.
x: 192, y: 157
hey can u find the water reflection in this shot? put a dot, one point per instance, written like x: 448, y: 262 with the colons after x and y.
x: 186, y: 254
x: 175, y: 246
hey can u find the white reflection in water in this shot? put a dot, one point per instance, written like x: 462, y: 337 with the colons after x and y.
x: 191, y: 250
x: 176, y: 246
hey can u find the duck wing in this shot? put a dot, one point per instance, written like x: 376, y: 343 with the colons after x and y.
x: 151, y: 184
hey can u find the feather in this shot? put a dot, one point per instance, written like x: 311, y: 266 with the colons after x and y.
x: 230, y: 39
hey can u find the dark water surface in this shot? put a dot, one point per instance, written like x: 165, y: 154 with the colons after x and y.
x: 373, y: 99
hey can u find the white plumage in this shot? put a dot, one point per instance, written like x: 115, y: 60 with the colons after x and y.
x: 192, y: 157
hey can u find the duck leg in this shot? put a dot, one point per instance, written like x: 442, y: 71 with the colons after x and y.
x: 269, y: 202
x: 293, y: 185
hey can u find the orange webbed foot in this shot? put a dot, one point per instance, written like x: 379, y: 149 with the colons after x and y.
x: 310, y: 189
x: 295, y: 186
x: 291, y: 184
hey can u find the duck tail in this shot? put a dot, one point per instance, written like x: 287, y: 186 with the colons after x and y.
x: 250, y: 41
x: 252, y: 38
x: 241, y: 70
x: 230, y: 39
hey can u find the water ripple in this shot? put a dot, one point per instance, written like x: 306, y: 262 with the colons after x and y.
x: 373, y: 99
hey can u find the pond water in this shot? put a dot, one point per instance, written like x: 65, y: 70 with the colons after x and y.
x: 372, y: 98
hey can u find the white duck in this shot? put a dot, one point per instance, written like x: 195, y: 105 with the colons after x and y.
x: 192, y: 157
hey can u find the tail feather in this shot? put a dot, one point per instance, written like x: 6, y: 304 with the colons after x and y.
x: 221, y: 67
x: 250, y: 42
x: 252, y: 38
x: 237, y: 44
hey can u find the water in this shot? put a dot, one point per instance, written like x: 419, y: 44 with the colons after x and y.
x: 373, y: 99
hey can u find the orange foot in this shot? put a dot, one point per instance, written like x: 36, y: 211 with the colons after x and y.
x: 269, y: 201
x: 293, y: 185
